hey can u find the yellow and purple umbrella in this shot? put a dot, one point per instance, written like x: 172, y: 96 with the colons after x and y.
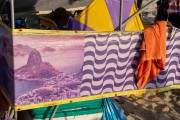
x: 103, y: 15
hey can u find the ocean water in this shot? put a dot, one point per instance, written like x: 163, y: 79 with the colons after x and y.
x: 25, y: 86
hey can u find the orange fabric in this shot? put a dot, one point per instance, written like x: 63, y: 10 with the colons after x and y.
x: 153, y: 56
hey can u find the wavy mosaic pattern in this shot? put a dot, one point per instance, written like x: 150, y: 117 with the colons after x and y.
x: 110, y: 61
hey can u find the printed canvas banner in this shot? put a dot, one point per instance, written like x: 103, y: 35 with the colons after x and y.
x: 44, y: 68
x: 47, y: 67
x: 6, y: 62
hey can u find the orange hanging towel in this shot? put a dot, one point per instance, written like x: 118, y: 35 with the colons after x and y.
x: 153, y: 53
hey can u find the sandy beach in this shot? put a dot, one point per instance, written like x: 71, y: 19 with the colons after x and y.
x: 152, y: 106
x: 149, y: 14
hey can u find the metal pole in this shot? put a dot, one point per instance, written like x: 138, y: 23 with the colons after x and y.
x: 12, y: 14
x: 12, y: 113
x: 135, y: 3
x: 139, y: 11
x: 16, y: 115
x: 54, y: 112
x: 120, y: 14
x: 3, y: 6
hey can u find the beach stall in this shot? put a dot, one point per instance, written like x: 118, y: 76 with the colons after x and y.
x: 42, y: 68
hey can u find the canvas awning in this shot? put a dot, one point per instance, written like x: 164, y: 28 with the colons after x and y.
x: 44, y: 5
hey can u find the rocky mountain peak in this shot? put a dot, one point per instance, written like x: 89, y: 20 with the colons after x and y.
x: 34, y: 58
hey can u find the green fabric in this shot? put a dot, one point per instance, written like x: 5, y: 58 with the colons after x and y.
x: 71, y: 109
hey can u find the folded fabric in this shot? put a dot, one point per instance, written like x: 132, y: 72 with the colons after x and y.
x: 153, y: 53
x: 111, y: 111
x: 174, y: 6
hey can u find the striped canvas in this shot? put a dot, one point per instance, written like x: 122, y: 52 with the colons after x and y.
x: 110, y: 61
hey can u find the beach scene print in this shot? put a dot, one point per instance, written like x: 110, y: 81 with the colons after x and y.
x: 47, y: 67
